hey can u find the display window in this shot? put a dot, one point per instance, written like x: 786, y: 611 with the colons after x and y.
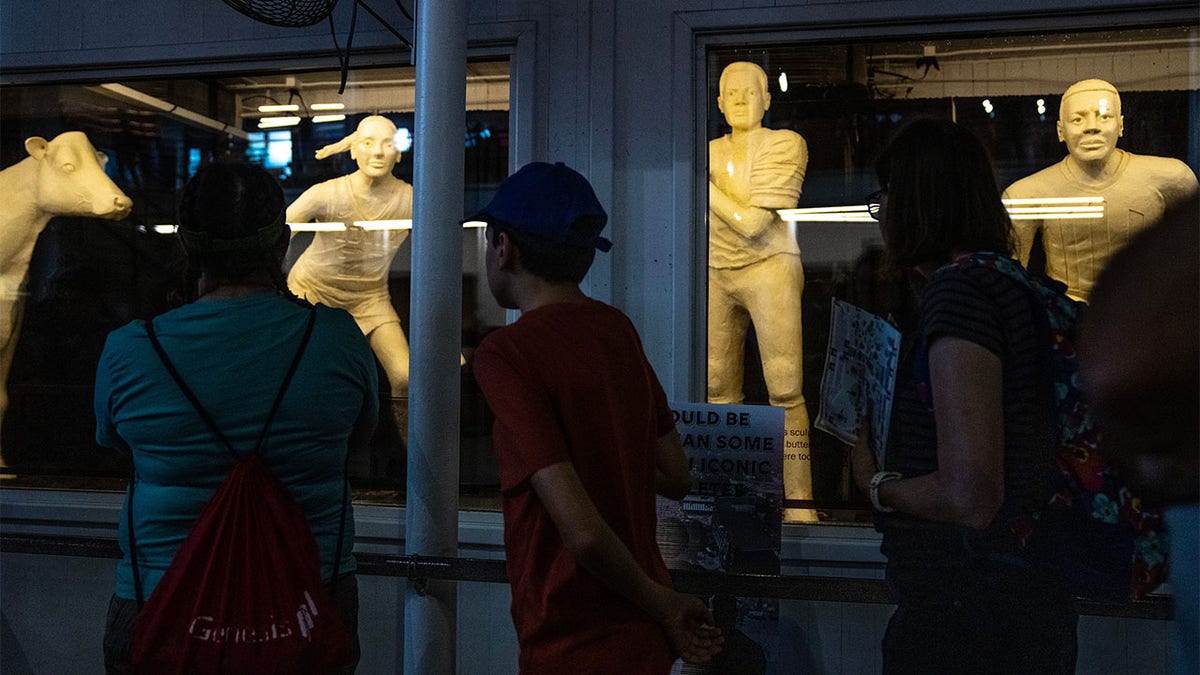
x: 792, y: 132
x: 106, y: 254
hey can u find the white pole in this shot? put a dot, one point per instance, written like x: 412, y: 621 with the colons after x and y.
x: 430, y: 614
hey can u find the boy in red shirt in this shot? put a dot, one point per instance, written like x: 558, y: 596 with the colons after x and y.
x: 584, y: 441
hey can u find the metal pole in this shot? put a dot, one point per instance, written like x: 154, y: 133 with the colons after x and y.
x: 430, y: 610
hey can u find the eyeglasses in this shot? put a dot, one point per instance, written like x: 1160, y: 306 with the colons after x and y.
x: 875, y: 202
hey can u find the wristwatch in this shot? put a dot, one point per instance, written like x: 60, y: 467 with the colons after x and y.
x: 878, y: 479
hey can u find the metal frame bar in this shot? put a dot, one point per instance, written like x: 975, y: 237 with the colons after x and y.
x: 421, y: 569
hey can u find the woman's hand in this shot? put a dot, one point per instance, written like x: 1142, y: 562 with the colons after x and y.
x: 863, y: 464
x: 862, y: 458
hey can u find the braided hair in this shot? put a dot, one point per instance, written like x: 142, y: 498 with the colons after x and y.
x: 231, y: 222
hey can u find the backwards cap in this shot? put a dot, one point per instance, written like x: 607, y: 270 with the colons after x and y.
x: 551, y: 202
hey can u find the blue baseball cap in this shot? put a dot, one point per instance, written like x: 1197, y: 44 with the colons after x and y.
x: 549, y: 201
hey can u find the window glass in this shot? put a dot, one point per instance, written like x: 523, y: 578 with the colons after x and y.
x: 828, y: 109
x: 87, y: 276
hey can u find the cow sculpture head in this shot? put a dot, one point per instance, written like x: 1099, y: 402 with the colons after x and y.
x: 71, y: 179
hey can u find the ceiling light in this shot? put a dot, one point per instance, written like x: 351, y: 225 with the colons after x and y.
x: 279, y: 107
x: 317, y: 119
x: 273, y: 122
x: 327, y: 106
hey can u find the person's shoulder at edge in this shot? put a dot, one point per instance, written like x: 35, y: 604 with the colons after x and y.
x: 336, y: 316
x: 341, y: 325
x: 978, y: 278
x: 554, y: 310
x: 120, y: 341
x: 959, y: 268
x: 532, y: 319
x: 587, y: 309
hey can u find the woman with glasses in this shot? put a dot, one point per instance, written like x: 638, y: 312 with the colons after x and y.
x: 972, y: 431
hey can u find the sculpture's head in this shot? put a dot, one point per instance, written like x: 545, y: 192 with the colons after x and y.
x: 1090, y: 120
x: 743, y: 96
x: 374, y: 146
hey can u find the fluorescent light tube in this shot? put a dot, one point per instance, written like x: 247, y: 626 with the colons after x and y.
x: 274, y: 122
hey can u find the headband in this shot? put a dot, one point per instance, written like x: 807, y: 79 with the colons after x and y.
x: 263, y: 239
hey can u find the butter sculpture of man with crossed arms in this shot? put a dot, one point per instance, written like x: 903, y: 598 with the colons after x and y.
x: 754, y: 270
x: 1137, y: 189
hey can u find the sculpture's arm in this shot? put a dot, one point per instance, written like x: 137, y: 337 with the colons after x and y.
x: 777, y: 163
x: 1024, y: 233
x: 307, y: 208
x: 746, y: 219
x: 309, y: 205
x: 1180, y: 187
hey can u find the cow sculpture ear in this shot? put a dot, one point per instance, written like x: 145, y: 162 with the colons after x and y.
x: 36, y: 147
x: 102, y: 159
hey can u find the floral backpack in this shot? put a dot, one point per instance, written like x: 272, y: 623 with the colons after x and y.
x: 1090, y: 529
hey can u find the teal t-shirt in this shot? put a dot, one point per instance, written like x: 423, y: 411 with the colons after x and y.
x: 233, y: 354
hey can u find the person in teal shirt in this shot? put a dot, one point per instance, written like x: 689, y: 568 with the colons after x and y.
x: 232, y: 343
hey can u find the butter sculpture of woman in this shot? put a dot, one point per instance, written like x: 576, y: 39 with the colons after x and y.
x: 349, y: 268
x: 754, y: 270
x: 1137, y: 189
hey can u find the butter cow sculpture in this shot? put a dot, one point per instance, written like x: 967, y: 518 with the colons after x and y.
x: 754, y: 270
x: 60, y: 177
x: 1137, y: 189
x: 349, y: 268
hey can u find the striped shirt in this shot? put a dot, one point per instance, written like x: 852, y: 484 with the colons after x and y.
x: 992, y: 310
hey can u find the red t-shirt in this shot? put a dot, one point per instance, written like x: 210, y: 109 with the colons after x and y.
x: 570, y: 382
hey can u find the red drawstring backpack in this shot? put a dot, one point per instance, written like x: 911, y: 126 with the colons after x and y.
x: 243, y: 594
